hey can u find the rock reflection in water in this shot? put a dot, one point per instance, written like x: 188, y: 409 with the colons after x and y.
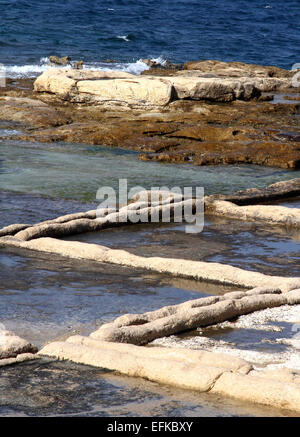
x: 52, y: 388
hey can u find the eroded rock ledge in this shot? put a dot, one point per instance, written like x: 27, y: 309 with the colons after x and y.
x: 214, y: 113
x: 199, y: 370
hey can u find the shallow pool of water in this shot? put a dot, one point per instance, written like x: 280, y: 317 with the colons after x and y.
x: 76, y: 171
x: 46, y: 297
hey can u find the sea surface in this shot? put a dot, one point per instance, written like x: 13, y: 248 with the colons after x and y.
x: 124, y: 31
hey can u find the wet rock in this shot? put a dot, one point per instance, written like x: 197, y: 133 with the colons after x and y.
x: 165, y: 67
x: 279, y: 190
x: 135, y: 361
x: 21, y: 358
x: 183, y: 131
x: 65, y: 60
x: 11, y: 345
x: 13, y: 229
x: 78, y: 65
x: 259, y: 390
x: 151, y: 63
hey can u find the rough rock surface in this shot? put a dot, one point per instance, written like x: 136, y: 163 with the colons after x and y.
x: 142, y: 328
x: 271, y: 214
x: 196, y: 370
x: 65, y: 60
x: 30, y: 112
x: 213, y: 89
x: 110, y: 88
x: 278, y: 191
x: 11, y: 345
x: 123, y: 89
x: 97, y: 220
x: 237, y: 69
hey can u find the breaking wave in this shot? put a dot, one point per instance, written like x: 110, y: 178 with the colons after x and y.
x: 33, y: 70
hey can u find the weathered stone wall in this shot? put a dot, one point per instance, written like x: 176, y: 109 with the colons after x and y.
x: 204, y: 271
x: 197, y: 370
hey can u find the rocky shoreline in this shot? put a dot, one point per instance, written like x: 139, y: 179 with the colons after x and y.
x: 208, y: 113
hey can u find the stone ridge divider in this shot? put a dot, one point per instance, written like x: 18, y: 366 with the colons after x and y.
x: 141, y: 208
x: 40, y: 237
x: 140, y: 329
x: 188, y: 369
x: 198, y: 270
x: 99, y: 219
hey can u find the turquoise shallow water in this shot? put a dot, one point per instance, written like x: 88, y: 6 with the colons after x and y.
x: 74, y: 171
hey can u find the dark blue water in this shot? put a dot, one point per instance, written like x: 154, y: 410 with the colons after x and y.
x: 258, y: 31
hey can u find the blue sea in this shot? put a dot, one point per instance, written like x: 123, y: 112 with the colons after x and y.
x: 256, y: 31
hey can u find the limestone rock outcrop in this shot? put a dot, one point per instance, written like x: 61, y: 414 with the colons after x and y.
x: 119, y: 88
x: 107, y: 88
x: 213, y: 89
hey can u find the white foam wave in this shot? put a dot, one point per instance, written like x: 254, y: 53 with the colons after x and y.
x: 33, y: 70
x: 123, y: 37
